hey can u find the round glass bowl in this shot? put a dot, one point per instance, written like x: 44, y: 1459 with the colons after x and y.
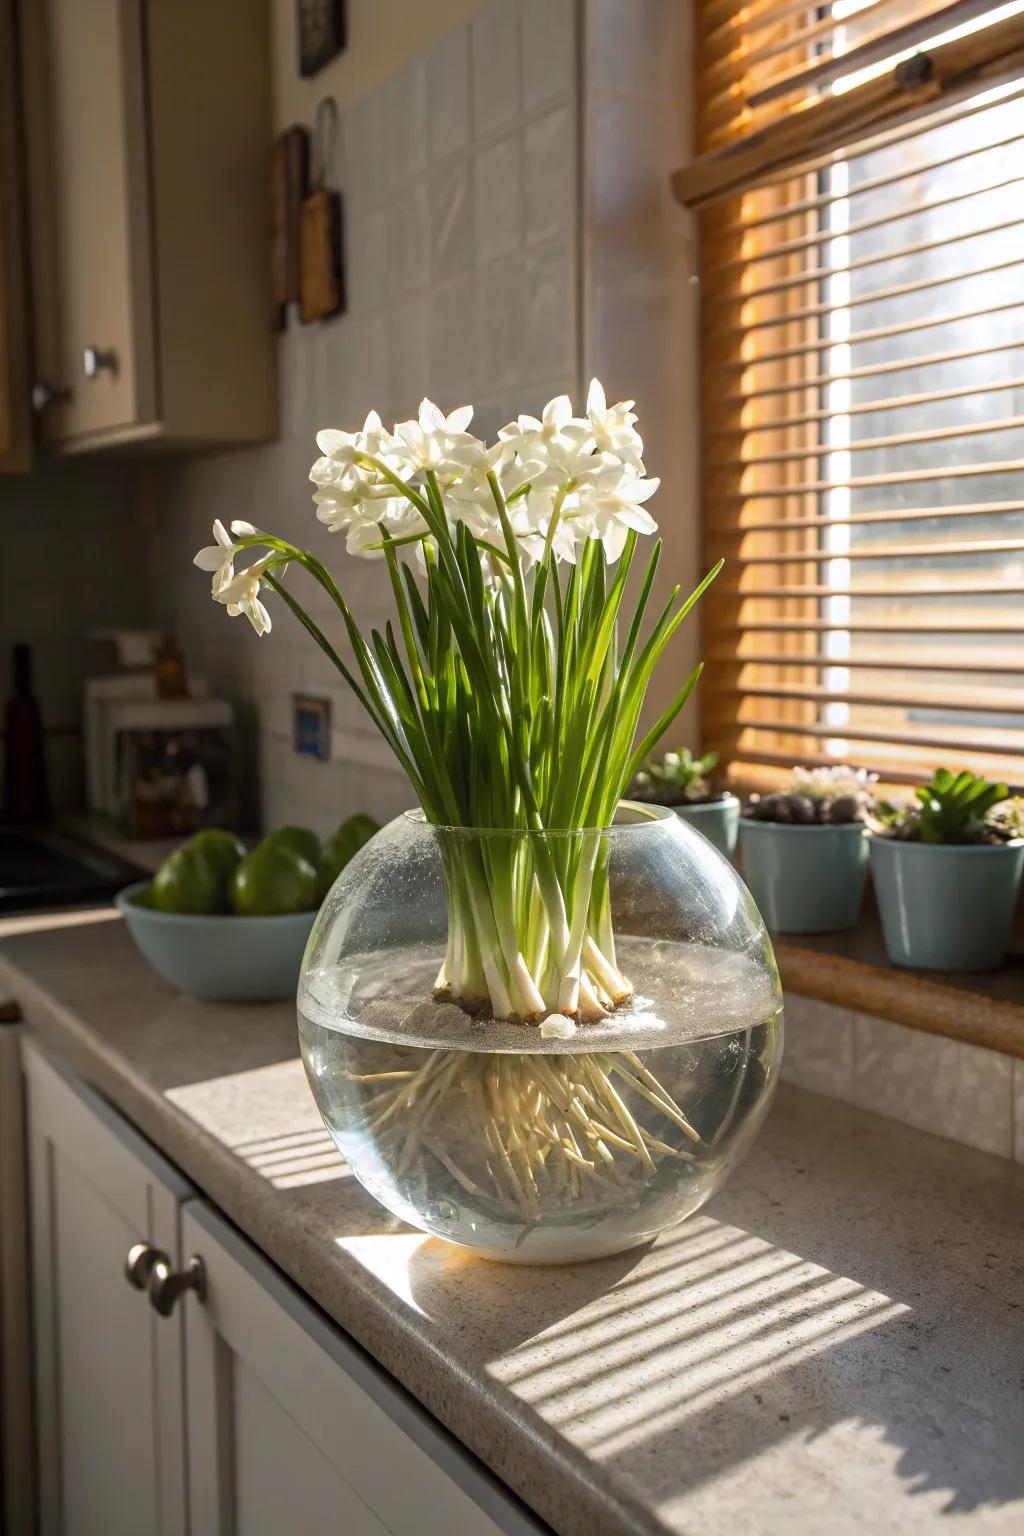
x: 555, y: 1138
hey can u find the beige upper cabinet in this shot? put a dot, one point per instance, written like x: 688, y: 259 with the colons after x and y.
x: 148, y: 123
x: 15, y: 425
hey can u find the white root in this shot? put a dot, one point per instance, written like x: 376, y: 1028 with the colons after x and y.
x: 543, y: 1126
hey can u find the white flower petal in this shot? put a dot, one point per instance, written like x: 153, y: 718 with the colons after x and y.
x: 336, y: 445
x: 596, y: 397
x: 638, y: 519
x: 459, y: 420
x: 431, y: 417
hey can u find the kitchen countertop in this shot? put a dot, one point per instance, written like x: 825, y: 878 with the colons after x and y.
x: 835, y: 1343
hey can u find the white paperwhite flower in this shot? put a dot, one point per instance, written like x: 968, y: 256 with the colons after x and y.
x: 242, y: 595
x: 612, y: 427
x: 531, y: 520
x: 218, y: 557
x: 530, y: 437
x: 435, y: 441
x: 341, y: 450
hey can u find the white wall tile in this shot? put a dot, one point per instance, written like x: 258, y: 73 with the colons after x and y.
x: 453, y: 340
x: 447, y: 68
x: 409, y: 240
x: 502, y: 303
x: 404, y: 115
x: 452, y: 229
x: 408, y: 356
x: 368, y: 264
x: 498, y: 192
x: 818, y: 1050
x: 496, y: 66
x: 550, y: 312
x: 944, y: 1086
x: 548, y: 49
x: 549, y: 178
x: 366, y: 148
x: 369, y: 351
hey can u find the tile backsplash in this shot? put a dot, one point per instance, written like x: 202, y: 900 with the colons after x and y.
x: 965, y: 1092
x: 461, y: 255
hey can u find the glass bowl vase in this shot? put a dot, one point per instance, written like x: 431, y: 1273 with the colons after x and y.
x: 554, y: 1133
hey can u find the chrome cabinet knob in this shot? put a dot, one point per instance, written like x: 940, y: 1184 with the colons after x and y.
x: 44, y: 394
x: 138, y: 1266
x: 167, y: 1284
x: 96, y: 359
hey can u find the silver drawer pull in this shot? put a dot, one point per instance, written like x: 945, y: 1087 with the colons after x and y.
x: 96, y: 359
x: 45, y: 394
x: 138, y: 1266
x: 167, y: 1284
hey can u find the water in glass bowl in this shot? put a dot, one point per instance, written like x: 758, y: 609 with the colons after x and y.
x: 571, y: 1149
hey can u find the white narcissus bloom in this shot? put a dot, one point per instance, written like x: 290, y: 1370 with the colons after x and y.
x: 436, y: 442
x: 531, y: 520
x: 611, y: 504
x: 612, y: 427
x: 342, y: 449
x: 242, y: 595
x: 219, y: 557
x: 529, y: 437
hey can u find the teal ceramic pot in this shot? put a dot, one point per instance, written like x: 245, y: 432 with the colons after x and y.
x: 946, y: 907
x: 717, y: 820
x: 805, y: 879
x: 223, y: 959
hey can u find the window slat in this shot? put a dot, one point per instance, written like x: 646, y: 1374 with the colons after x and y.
x: 998, y: 665
x: 984, y: 701
x: 893, y: 552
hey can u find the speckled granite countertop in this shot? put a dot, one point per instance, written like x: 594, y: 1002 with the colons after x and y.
x: 836, y: 1344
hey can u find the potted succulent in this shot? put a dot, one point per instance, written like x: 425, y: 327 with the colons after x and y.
x: 805, y: 852
x: 538, y: 1020
x: 681, y: 781
x: 947, y: 869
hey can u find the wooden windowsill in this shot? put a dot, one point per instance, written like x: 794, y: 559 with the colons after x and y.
x: 852, y: 970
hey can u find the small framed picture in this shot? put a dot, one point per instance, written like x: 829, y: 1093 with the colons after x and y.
x: 323, y: 33
x: 311, y: 723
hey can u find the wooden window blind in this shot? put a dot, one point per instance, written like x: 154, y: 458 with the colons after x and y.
x: 861, y: 196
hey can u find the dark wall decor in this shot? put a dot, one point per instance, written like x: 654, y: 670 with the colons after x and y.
x: 323, y: 33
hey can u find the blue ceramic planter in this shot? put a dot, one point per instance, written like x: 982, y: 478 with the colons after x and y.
x: 220, y: 958
x: 718, y: 821
x: 946, y: 907
x: 805, y: 879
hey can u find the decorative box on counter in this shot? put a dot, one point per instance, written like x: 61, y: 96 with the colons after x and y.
x: 175, y: 766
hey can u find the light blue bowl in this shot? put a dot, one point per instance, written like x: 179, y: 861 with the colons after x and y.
x: 805, y: 879
x: 223, y: 959
x: 946, y: 906
x: 717, y: 820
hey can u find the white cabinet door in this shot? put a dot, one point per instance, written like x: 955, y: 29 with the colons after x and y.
x: 292, y: 1428
x: 109, y: 1390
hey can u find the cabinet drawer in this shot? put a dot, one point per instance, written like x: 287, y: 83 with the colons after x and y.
x: 292, y: 1427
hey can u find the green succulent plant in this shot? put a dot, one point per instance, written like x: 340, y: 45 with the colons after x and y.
x: 679, y: 773
x: 952, y: 808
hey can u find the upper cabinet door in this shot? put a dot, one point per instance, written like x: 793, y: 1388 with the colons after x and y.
x: 147, y: 129
x: 15, y: 426
x: 98, y: 149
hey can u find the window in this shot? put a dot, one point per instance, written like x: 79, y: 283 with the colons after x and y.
x: 861, y: 196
